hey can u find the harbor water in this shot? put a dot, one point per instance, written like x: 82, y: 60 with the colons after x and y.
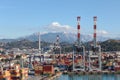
x: 90, y: 77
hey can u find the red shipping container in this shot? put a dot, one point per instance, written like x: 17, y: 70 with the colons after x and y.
x: 48, y: 69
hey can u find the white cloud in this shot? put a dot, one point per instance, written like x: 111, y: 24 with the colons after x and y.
x: 57, y: 27
x: 99, y: 33
x: 102, y: 32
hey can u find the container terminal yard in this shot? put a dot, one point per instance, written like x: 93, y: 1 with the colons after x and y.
x: 53, y: 63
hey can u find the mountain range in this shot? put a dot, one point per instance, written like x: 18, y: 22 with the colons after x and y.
x: 51, y: 37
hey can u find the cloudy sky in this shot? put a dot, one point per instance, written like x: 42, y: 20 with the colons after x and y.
x: 24, y: 17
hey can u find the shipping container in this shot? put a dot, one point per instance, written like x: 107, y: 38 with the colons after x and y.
x: 48, y: 69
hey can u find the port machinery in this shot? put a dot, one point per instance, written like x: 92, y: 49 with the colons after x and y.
x: 93, y: 58
x: 95, y: 63
x: 78, y: 51
x: 33, y: 56
x: 56, y: 47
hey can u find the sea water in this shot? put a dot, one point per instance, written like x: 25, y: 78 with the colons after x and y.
x: 90, y: 77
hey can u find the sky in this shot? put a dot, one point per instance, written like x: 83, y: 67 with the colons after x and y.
x: 24, y: 17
